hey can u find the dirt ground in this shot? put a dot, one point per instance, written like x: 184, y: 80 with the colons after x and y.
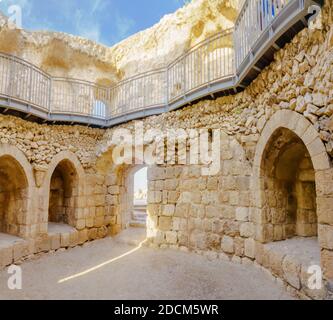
x: 118, y: 269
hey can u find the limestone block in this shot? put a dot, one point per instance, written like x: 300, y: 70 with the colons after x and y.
x: 247, y: 229
x: 239, y: 245
x: 55, y: 240
x: 159, y: 185
x: 242, y: 214
x: 213, y: 212
x: 325, y: 234
x: 102, y: 232
x: 206, y: 224
x: 223, y: 197
x: 43, y: 244
x: 100, y: 189
x: 98, y: 222
x: 73, y: 238
x: 275, y: 261
x: 83, y: 236
x: 209, y: 197
x: 173, y: 196
x: 64, y: 240
x: 165, y: 223
x: 212, y: 183
x: 156, y: 173
x: 159, y: 237
x: 231, y: 227
x: 324, y: 210
x: 6, y: 257
x: 228, y: 212
x: 324, y: 183
x: 171, y: 184
x: 21, y: 249
x: 176, y: 224
x: 196, y: 197
x: 153, y: 210
x: 100, y: 211
x: 234, y: 198
x: 111, y: 179
x: 319, y: 99
x: 168, y: 210
x: 291, y: 270
x: 90, y: 222
x: 92, y: 234
x: 259, y: 252
x: 185, y: 197
x: 316, y: 147
x: 114, y: 190
x: 249, y: 248
x: 171, y: 237
x: 327, y: 264
x: 198, y: 240
x: 80, y: 224
x: 228, y: 244
x: 109, y: 199
x: 278, y: 232
x: 154, y: 197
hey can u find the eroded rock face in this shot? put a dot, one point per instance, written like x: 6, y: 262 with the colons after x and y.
x: 173, y: 35
x: 65, y: 55
x: 232, y: 214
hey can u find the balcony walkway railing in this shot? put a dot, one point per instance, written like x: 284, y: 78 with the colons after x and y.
x: 222, y: 64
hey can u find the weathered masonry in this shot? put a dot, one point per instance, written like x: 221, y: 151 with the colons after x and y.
x: 270, y: 204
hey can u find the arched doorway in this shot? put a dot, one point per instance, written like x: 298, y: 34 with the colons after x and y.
x: 289, y: 190
x: 63, y: 189
x: 291, y: 175
x: 13, y: 196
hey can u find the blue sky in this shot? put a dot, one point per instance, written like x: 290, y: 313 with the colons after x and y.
x: 105, y: 21
x: 140, y: 180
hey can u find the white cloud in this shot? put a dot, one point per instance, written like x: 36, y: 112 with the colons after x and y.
x: 123, y: 25
x: 91, y: 32
x: 86, y: 28
x: 98, y: 5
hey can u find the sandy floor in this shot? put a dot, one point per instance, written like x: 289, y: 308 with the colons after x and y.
x: 113, y: 269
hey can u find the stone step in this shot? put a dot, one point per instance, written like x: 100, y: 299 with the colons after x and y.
x: 138, y: 224
x: 139, y: 216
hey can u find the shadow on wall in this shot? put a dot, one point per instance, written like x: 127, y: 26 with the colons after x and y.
x: 13, y: 196
x: 289, y: 195
x: 63, y: 189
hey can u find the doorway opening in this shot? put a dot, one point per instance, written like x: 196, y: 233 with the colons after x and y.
x: 134, y: 205
x: 289, y: 211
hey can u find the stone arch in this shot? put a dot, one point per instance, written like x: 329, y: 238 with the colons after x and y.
x: 287, y: 138
x: 63, y: 189
x: 17, y: 186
